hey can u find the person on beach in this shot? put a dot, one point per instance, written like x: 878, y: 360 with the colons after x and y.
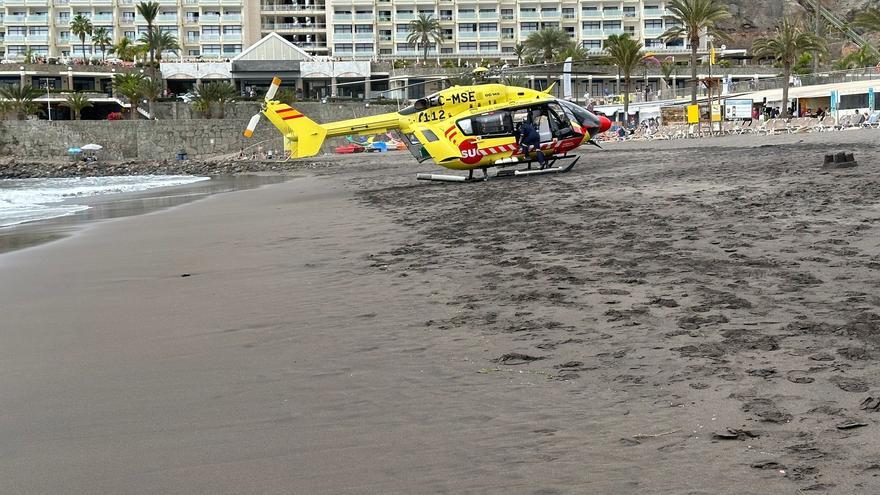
x: 528, y: 139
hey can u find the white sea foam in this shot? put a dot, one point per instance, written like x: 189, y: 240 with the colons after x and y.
x: 28, y: 200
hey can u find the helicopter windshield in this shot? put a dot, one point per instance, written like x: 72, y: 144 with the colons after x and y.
x: 583, y: 117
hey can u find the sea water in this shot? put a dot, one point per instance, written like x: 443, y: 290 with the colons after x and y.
x: 29, y: 200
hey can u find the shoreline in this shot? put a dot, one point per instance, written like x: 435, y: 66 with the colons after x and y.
x: 113, y: 206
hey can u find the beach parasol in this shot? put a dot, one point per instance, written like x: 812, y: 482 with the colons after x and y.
x: 92, y: 147
x: 74, y: 150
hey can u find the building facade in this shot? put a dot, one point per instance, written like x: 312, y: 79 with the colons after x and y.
x: 379, y: 29
x: 206, y: 28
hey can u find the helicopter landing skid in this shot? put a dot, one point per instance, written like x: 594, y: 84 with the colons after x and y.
x: 504, y: 174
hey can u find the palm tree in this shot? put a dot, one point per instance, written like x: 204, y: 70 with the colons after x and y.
x: 130, y: 86
x: 696, y: 18
x: 547, y: 43
x: 625, y: 53
x: 149, y: 11
x: 792, y: 40
x: 151, y: 90
x: 28, y: 56
x: 425, y: 30
x: 221, y: 92
x: 165, y: 42
x: 869, y: 19
x: 863, y: 57
x: 520, y: 51
x: 667, y: 68
x: 124, y: 49
x: 101, y: 38
x: 76, y: 101
x: 81, y: 26
x: 20, y: 100
x: 576, y: 52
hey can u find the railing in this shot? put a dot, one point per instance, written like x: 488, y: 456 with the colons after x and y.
x: 488, y: 16
x: 654, y: 31
x: 550, y: 14
x: 102, y: 18
x: 591, y: 13
x: 291, y: 8
x: 529, y: 14
x: 231, y: 36
x: 507, y: 17
x: 653, y: 12
x: 569, y: 16
x: 467, y: 35
x: 210, y: 37
x: 489, y: 34
x: 231, y: 18
x: 15, y: 37
x: 16, y: 18
x: 405, y: 16
x: 38, y: 38
x: 38, y: 19
x: 363, y: 17
x: 192, y: 40
x: 342, y: 17
x: 467, y: 15
x: 209, y: 18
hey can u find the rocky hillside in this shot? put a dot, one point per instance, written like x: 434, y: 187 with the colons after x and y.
x: 753, y: 18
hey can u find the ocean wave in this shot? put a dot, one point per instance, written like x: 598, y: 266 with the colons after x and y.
x: 29, y: 200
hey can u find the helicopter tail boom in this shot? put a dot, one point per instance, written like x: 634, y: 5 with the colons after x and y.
x: 303, y: 137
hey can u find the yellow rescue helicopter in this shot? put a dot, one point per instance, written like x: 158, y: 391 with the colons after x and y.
x: 460, y: 128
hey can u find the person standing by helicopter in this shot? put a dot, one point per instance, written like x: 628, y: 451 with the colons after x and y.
x: 528, y: 139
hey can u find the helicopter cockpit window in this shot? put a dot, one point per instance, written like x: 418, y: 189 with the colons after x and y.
x: 488, y: 124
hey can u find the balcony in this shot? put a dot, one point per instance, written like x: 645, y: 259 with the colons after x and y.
x: 525, y: 34
x: 507, y: 17
x: 630, y: 14
x: 467, y: 35
x: 294, y: 28
x: 384, y: 37
x: 38, y: 38
x: 191, y: 3
x: 37, y: 3
x: 529, y: 14
x: 192, y: 40
x: 231, y: 36
x: 610, y: 31
x: 189, y: 21
x: 653, y: 12
x: 595, y: 14
x: 12, y: 38
x: 38, y: 19
x: 363, y: 36
x: 405, y: 16
x: 568, y: 16
x: 102, y: 18
x: 232, y: 18
x: 166, y: 19
x: 384, y: 19
x: 342, y: 17
x: 489, y: 35
x: 488, y: 16
x: 343, y: 36
x: 363, y: 17
x: 508, y: 36
x: 550, y: 14
x: 209, y: 19
x: 16, y: 19
x: 62, y: 21
x: 612, y: 14
x: 592, y: 33
x: 289, y: 8
x: 467, y: 15
x: 654, y: 31
x: 63, y: 41
x: 210, y: 37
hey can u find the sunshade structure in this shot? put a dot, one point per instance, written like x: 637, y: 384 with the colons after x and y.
x: 92, y: 147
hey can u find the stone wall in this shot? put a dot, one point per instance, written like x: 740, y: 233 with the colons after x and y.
x: 162, y: 139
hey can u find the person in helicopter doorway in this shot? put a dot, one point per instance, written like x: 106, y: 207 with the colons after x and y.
x: 530, y: 139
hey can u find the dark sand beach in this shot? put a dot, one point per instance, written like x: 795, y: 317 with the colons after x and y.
x: 692, y: 317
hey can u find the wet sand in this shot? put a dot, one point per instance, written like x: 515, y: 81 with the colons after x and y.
x: 358, y: 332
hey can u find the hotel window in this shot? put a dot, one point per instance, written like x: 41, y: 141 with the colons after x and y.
x: 467, y: 28
x: 172, y: 30
x: 211, y: 30
x: 192, y: 36
x: 489, y: 45
x: 131, y: 35
x: 384, y: 51
x: 592, y: 25
x: 612, y: 25
x: 191, y: 17
x: 404, y: 12
x: 470, y: 12
x: 487, y: 11
x: 488, y: 27
x: 529, y: 26
x: 346, y: 29
x: 16, y: 31
x: 128, y: 16
x: 231, y: 49
x: 403, y: 28
x: 446, y: 51
x: 231, y: 29
x: 506, y: 11
x: 342, y: 47
x: 592, y: 45
x: 210, y: 49
x: 426, y: 13
x: 363, y: 47
x: 467, y: 47
x: 549, y: 25
x: 193, y: 53
x: 548, y: 10
x: 654, y: 24
x: 403, y: 47
x: 363, y: 28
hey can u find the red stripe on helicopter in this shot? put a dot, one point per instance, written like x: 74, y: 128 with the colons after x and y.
x: 293, y: 116
x: 451, y: 136
x: 285, y: 110
x: 449, y: 130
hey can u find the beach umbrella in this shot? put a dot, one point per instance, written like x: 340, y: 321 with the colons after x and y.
x: 92, y: 147
x: 74, y: 150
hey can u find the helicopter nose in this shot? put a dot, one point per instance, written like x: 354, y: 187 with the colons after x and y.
x: 604, y: 124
